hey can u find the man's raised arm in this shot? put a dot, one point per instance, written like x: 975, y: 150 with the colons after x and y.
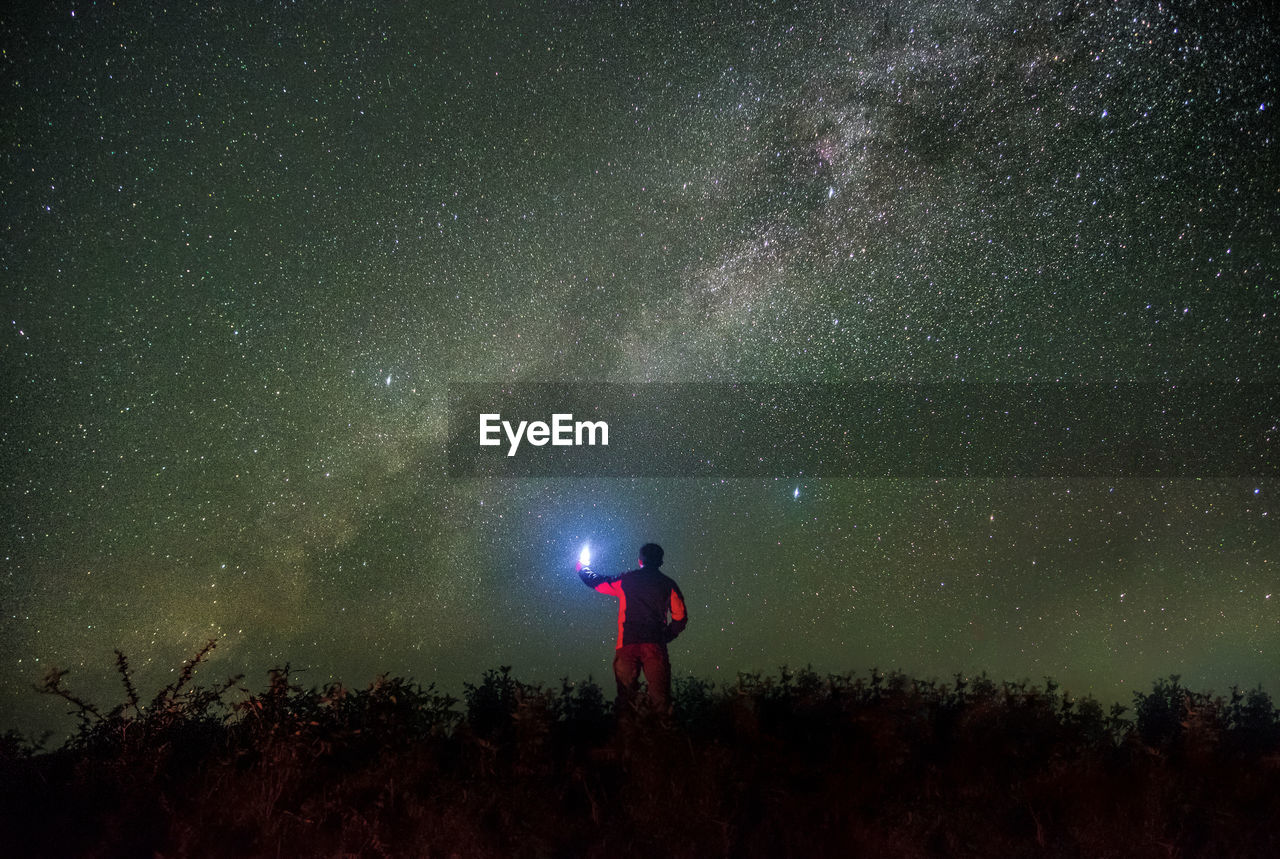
x: 597, y: 582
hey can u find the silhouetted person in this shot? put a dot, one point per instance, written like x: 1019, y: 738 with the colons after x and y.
x: 645, y: 596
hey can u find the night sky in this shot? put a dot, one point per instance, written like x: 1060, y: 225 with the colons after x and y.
x: 246, y: 248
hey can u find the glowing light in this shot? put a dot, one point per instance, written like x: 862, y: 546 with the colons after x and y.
x: 796, y: 494
x: 584, y: 557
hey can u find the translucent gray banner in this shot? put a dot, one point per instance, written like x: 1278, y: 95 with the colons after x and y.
x: 865, y: 430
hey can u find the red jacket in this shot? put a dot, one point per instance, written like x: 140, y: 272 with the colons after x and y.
x: 644, y: 598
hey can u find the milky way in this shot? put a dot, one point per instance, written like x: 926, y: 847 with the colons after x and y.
x: 245, y: 251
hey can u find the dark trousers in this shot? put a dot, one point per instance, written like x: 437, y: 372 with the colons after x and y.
x: 629, y: 660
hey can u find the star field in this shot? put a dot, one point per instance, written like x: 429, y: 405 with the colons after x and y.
x: 246, y: 250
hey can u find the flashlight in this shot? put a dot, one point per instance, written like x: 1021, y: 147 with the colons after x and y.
x: 584, y: 557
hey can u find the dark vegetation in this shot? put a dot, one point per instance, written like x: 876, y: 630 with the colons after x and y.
x: 794, y: 765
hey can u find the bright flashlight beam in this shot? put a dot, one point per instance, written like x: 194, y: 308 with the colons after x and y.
x: 584, y: 557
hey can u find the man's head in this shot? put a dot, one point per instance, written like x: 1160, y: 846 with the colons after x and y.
x: 651, y: 555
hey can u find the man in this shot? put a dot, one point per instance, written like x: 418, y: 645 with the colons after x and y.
x: 645, y: 596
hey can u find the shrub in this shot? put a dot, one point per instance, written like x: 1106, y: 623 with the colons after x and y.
x: 793, y: 764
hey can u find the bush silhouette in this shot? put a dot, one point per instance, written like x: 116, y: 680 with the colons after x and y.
x: 794, y: 764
